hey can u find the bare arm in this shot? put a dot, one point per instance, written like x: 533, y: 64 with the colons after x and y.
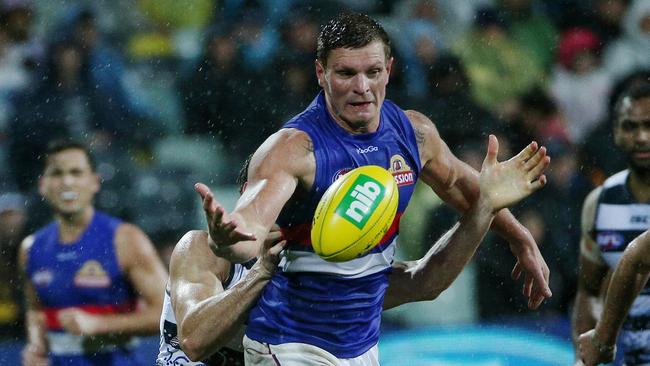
x: 282, y: 164
x: 457, y: 184
x: 591, y: 274
x: 597, y: 345
x: 35, y: 351
x: 501, y: 184
x: 208, y: 317
x: 139, y: 260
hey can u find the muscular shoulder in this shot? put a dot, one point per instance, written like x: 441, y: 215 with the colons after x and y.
x: 426, y: 135
x: 132, y: 246
x: 192, y: 253
x: 288, y: 151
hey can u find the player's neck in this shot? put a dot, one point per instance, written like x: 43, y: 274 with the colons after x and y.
x: 639, y: 184
x: 73, y: 225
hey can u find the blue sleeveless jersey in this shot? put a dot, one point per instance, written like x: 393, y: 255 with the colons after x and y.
x: 84, y: 275
x: 619, y: 219
x: 335, y: 306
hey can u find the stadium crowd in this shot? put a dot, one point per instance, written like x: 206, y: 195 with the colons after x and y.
x: 167, y: 93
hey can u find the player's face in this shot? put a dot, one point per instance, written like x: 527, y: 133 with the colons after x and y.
x: 632, y: 133
x: 354, y: 82
x: 68, y: 182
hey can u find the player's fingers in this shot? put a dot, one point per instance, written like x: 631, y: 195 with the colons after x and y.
x: 527, y: 152
x: 536, y: 158
x: 492, y: 151
x: 539, y: 168
x: 528, y: 285
x: 278, y: 247
x: 538, y: 183
x: 516, y: 271
x: 201, y: 189
x: 273, y: 236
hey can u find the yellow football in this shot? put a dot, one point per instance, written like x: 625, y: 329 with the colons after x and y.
x: 354, y: 214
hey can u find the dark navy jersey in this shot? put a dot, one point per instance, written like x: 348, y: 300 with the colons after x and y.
x: 336, y: 306
x: 619, y: 219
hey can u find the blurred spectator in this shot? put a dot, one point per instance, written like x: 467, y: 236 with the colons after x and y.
x: 19, y: 53
x: 12, y: 225
x: 223, y: 99
x: 534, y: 32
x: 460, y: 121
x: 498, y: 68
x: 606, y: 19
x: 419, y: 41
x: 537, y: 119
x: 632, y: 51
x: 579, y: 85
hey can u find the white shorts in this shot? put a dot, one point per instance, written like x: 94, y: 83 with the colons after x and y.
x: 299, y: 354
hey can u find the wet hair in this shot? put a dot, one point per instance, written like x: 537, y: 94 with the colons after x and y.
x: 631, y: 94
x: 57, y: 146
x: 242, y: 177
x: 350, y: 30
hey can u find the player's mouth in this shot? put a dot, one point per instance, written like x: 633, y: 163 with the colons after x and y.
x: 68, y: 196
x: 360, y: 105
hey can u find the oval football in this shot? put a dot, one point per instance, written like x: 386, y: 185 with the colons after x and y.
x: 354, y: 214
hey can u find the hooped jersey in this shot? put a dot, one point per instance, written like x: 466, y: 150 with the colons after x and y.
x: 336, y: 306
x: 84, y: 275
x: 619, y: 219
x: 170, y: 352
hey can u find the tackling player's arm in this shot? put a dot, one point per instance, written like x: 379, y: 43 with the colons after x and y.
x: 591, y: 273
x: 208, y: 317
x: 284, y: 162
x: 457, y: 184
x: 501, y: 184
x: 35, y: 351
x: 597, y: 345
x: 140, y: 262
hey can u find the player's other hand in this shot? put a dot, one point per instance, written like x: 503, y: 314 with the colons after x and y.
x: 273, y: 245
x: 78, y: 322
x: 592, y: 352
x: 505, y: 183
x: 223, y: 230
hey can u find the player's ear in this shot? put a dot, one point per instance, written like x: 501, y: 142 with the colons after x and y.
x: 320, y: 73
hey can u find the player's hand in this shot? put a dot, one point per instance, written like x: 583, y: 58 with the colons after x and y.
x: 79, y: 322
x: 223, y: 231
x: 34, y: 355
x: 506, y: 183
x: 590, y: 352
x: 503, y: 184
x: 536, y: 273
x: 273, y: 245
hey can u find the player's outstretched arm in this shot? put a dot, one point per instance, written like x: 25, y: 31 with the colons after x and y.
x: 500, y: 184
x: 277, y: 168
x: 198, y: 297
x: 598, y: 345
x: 457, y: 184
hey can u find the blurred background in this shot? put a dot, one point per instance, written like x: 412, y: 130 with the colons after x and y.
x: 170, y: 92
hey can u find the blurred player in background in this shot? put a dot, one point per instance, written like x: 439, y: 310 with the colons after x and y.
x: 92, y: 282
x: 599, y: 344
x: 612, y: 215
